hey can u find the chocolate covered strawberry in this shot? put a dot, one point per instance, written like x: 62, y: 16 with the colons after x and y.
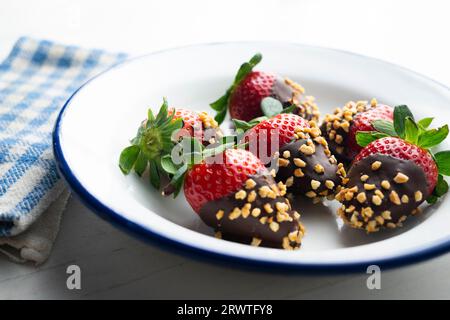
x: 302, y: 158
x: 394, y: 173
x: 157, y: 136
x: 234, y: 193
x: 340, y: 128
x: 243, y: 99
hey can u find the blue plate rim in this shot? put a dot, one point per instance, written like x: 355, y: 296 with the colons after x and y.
x: 145, y: 234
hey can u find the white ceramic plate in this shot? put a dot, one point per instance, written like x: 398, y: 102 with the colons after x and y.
x: 101, y: 117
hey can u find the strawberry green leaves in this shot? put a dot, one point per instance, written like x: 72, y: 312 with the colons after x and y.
x: 433, y: 137
x: 221, y: 104
x: 363, y: 138
x: 150, y: 145
x: 442, y: 160
x: 384, y: 126
x: 400, y: 114
x: 440, y: 190
x: 406, y: 128
x: 128, y: 158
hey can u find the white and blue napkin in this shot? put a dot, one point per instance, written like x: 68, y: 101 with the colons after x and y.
x: 35, y: 80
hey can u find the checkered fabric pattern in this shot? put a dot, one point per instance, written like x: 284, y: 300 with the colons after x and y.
x: 35, y: 81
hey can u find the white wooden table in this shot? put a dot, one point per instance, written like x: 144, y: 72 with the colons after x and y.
x: 114, y: 264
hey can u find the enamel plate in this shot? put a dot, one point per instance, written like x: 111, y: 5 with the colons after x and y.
x: 100, y: 118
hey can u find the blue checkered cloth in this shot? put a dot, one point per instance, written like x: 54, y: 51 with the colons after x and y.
x: 35, y: 80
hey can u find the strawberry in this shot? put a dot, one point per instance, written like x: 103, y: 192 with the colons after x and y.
x: 244, y: 97
x: 394, y: 172
x: 157, y: 136
x: 304, y: 161
x: 233, y: 192
x: 283, y: 126
x: 340, y: 128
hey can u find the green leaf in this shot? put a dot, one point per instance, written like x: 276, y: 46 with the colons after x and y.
x: 209, y: 152
x: 411, y: 130
x: 432, y: 199
x: 221, y: 104
x: 271, y: 107
x: 155, y: 178
x: 384, y: 126
x: 150, y: 118
x: 289, y: 109
x: 220, y: 116
x: 162, y: 114
x: 140, y: 164
x: 425, y: 122
x: 178, y: 178
x: 400, y: 115
x: 433, y: 137
x: 443, y: 162
x: 441, y: 187
x: 363, y: 138
x: 167, y: 164
x: 128, y: 157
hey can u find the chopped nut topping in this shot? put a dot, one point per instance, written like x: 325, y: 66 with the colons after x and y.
x: 264, y: 191
x: 367, y: 212
x: 219, y: 214
x: 298, y: 173
x: 286, y: 154
x: 246, y: 210
x: 379, y: 193
x: 274, y: 226
x: 234, y: 214
x: 307, y: 150
x: 386, y: 215
x: 319, y: 168
x: 361, y: 197
x: 251, y: 196
x: 376, y: 200
x: 218, y: 235
x: 405, y: 198
x: 364, y: 177
x: 240, y: 195
x: 418, y: 196
x: 256, y: 242
x: 286, y: 245
x: 349, y: 195
x: 310, y: 194
x: 385, y: 184
x: 350, y: 209
x: 376, y: 165
x: 268, y: 208
x: 250, y: 184
x: 263, y: 220
x: 256, y: 212
x: 315, y: 184
x: 340, y: 150
x: 338, y: 139
x: 401, y: 178
x: 369, y: 186
x: 329, y: 184
x: 299, y: 163
x: 289, y: 181
x: 281, y: 206
x: 393, y: 196
x: 283, y: 162
x: 390, y: 225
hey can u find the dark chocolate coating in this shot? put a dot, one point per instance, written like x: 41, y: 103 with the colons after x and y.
x: 333, y: 145
x: 302, y: 185
x: 282, y: 92
x: 389, y: 168
x: 244, y: 229
x: 288, y: 95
